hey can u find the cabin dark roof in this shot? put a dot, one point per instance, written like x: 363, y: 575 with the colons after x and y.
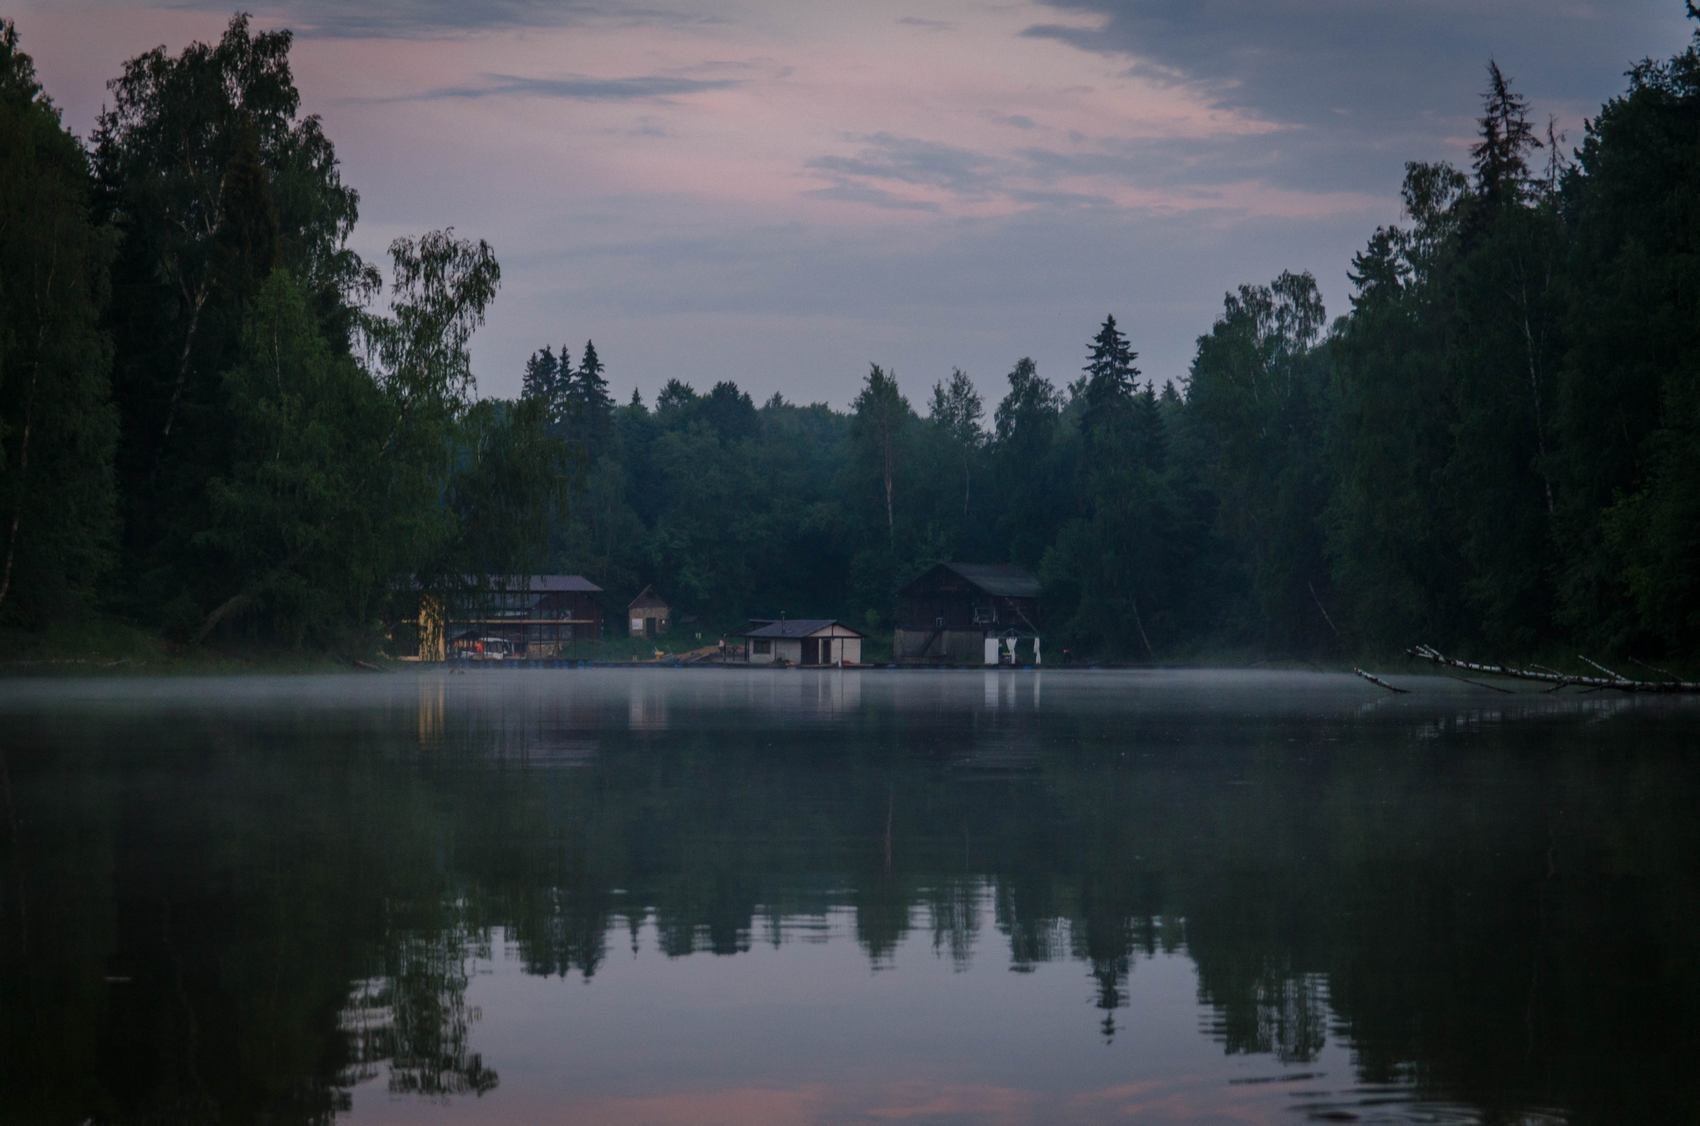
x: 799, y: 627
x: 540, y: 584
x: 558, y: 584
x: 647, y: 599
x: 1004, y: 580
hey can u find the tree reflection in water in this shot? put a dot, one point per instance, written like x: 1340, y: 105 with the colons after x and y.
x: 240, y: 912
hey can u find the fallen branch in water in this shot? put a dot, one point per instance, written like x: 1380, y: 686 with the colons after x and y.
x: 1376, y: 680
x: 1555, y: 678
x: 1483, y: 684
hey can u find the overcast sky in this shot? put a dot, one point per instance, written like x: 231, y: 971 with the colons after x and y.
x: 780, y: 191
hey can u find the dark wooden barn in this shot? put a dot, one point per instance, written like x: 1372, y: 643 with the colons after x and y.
x: 950, y: 612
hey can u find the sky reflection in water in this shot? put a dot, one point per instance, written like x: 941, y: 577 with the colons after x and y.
x: 704, y: 895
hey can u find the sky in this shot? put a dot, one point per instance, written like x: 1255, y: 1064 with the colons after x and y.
x: 780, y: 192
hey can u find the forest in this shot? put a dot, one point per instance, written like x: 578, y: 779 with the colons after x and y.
x: 217, y: 422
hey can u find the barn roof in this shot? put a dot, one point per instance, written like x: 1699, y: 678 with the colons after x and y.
x: 1004, y: 580
x: 647, y: 599
x: 799, y: 627
x: 532, y: 584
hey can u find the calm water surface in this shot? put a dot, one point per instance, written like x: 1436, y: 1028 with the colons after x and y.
x: 746, y: 896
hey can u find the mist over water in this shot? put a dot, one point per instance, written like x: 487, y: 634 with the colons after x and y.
x: 734, y: 895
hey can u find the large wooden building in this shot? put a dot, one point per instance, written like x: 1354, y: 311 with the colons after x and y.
x: 967, y: 614
x: 527, y: 617
x: 803, y: 641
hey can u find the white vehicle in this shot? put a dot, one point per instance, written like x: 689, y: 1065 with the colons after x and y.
x: 486, y: 649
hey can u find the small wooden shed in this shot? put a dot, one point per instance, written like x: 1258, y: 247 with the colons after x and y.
x: 803, y: 641
x: 648, y: 614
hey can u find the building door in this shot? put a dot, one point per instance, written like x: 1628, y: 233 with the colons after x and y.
x: 811, y: 651
x: 649, y: 627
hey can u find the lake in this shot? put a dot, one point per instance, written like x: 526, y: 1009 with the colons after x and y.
x: 702, y: 895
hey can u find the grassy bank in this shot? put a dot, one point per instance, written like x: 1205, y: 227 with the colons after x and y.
x: 102, y: 646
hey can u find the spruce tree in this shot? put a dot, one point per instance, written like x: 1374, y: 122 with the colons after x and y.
x: 1110, y: 374
x: 1501, y: 156
x: 541, y: 380
x: 590, y: 410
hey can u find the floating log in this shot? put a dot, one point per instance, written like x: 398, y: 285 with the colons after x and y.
x: 1376, y: 680
x: 1555, y: 678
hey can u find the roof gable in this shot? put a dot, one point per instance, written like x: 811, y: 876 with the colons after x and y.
x: 647, y: 599
x: 531, y: 584
x: 800, y: 627
x: 1002, y: 580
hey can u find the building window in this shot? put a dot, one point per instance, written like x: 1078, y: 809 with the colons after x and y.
x: 761, y: 646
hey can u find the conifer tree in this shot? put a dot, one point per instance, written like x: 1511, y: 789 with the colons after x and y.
x: 542, y: 381
x: 590, y: 409
x: 1111, y: 376
x: 1502, y: 154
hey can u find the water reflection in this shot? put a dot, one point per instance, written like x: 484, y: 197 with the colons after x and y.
x: 1222, y: 896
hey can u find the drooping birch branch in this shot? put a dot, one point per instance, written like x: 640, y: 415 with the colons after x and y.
x: 1556, y: 679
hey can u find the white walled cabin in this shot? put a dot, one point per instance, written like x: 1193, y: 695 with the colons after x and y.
x: 803, y: 641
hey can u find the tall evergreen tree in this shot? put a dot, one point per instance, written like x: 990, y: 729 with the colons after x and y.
x: 589, y: 410
x: 541, y: 381
x: 1111, y: 376
x: 1506, y: 142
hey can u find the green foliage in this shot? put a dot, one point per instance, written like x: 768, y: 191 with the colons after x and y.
x: 880, y: 420
x: 57, y: 428
x: 1496, y: 447
x: 1627, y: 411
x: 297, y: 532
x: 210, y: 177
x: 1259, y: 390
x: 510, y: 484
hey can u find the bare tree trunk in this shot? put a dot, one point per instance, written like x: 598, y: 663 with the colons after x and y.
x: 1139, y: 624
x: 1376, y: 680
x: 29, y: 423
x: 183, y: 364
x: 1557, y: 679
x: 23, y: 472
x: 1535, y: 396
x: 890, y: 472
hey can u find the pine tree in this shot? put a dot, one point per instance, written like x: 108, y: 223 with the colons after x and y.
x: 590, y: 410
x: 542, y: 380
x: 1507, y: 140
x: 591, y: 386
x: 1111, y: 376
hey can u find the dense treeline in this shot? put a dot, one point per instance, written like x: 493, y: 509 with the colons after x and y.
x: 206, y: 426
x: 1497, y: 446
